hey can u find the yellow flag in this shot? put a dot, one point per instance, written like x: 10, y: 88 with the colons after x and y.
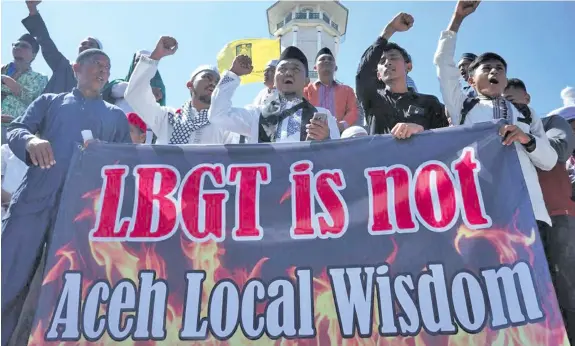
x: 261, y: 50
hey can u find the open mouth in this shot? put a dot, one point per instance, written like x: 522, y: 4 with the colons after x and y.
x: 100, y: 79
x: 210, y: 90
x: 289, y: 81
x: 493, y: 80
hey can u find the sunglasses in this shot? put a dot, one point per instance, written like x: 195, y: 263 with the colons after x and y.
x: 21, y: 44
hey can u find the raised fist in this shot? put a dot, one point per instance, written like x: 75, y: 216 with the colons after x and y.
x: 32, y: 6
x: 466, y: 7
x: 401, y: 22
x: 242, y: 65
x: 166, y: 45
x: 33, y: 3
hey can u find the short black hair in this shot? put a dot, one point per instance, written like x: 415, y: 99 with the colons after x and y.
x: 483, y: 58
x: 391, y: 45
x: 516, y: 83
x: 89, y: 53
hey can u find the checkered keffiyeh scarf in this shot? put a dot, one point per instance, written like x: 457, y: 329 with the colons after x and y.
x: 186, y: 121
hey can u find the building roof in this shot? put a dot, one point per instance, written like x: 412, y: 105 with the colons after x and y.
x: 277, y: 12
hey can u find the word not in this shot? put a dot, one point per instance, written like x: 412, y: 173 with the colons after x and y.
x: 399, y: 200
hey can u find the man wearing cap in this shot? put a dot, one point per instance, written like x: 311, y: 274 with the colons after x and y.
x: 288, y: 118
x: 269, y: 89
x: 328, y: 93
x: 45, y: 138
x: 187, y: 125
x: 63, y: 79
x: 21, y: 85
x: 463, y: 66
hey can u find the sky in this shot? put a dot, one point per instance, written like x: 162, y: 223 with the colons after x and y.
x: 536, y: 38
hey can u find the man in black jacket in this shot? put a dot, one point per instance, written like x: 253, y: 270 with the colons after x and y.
x: 381, y: 87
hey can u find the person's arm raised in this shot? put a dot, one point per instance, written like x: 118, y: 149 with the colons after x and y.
x: 444, y: 61
x: 139, y: 94
x: 221, y: 111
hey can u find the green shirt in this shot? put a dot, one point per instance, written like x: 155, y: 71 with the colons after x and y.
x: 32, y: 83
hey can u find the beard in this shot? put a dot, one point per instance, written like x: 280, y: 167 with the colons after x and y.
x: 206, y: 99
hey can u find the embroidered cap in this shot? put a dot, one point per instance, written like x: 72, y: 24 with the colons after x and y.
x: 203, y: 68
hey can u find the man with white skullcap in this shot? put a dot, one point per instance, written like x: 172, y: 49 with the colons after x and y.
x: 187, y: 125
x: 269, y: 89
x: 63, y: 79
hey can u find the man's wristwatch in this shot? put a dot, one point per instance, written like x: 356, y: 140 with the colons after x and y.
x: 530, y: 146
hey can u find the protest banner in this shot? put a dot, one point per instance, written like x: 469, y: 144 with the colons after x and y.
x: 366, y: 241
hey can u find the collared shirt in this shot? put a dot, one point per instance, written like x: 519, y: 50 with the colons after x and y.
x: 32, y: 84
x: 140, y: 96
x: 387, y: 109
x: 338, y: 98
x: 60, y: 119
x: 245, y: 121
x: 543, y: 157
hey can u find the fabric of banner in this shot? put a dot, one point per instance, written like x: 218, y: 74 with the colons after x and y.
x: 427, y: 241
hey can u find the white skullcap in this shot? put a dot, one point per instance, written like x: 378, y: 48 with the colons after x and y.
x: 354, y: 131
x: 98, y: 42
x: 568, y: 96
x: 204, y: 68
x: 272, y: 63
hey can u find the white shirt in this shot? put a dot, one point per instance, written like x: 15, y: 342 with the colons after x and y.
x: 118, y: 92
x: 13, y: 170
x: 264, y: 95
x: 245, y: 121
x: 543, y: 157
x: 140, y: 97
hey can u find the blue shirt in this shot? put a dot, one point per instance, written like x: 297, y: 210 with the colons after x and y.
x: 60, y: 119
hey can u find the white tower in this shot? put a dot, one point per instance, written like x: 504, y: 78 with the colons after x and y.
x: 308, y: 25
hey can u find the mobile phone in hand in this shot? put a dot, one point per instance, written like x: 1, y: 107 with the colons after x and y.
x: 320, y: 116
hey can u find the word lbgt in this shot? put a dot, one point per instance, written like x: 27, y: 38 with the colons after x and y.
x: 399, y: 200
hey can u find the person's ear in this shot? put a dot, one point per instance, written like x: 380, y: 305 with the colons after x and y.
x: 528, y: 97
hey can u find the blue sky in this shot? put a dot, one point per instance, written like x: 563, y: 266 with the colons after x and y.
x: 536, y: 38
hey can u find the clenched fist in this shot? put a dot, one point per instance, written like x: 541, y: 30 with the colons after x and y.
x: 466, y: 7
x: 166, y: 46
x: 401, y: 22
x: 242, y: 65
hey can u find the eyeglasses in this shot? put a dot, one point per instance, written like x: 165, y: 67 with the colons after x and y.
x: 21, y: 44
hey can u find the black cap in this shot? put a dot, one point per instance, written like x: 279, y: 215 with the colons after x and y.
x: 293, y: 52
x: 468, y: 56
x: 323, y: 51
x: 30, y: 39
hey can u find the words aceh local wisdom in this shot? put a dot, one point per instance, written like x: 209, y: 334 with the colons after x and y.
x: 437, y: 196
x: 140, y: 309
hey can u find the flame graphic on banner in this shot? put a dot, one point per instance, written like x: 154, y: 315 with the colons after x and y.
x: 119, y: 261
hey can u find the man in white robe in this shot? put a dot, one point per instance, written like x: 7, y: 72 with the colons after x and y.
x: 285, y: 119
x: 186, y: 125
x: 269, y: 91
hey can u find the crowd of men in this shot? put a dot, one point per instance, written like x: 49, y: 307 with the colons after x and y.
x: 45, y: 119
